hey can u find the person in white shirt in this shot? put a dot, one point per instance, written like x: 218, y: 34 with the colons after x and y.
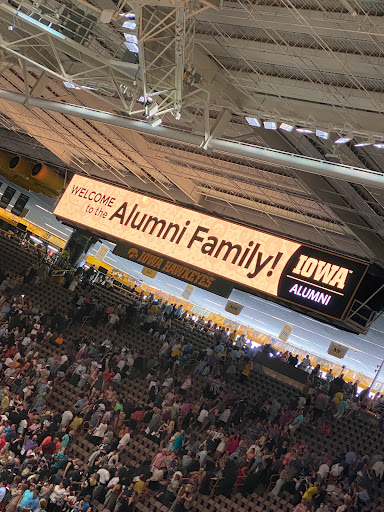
x: 59, y: 491
x: 80, y: 369
x: 301, y: 402
x: 113, y: 320
x: 124, y: 440
x: 26, y: 341
x: 116, y: 380
x: 378, y: 468
x: 168, y: 382
x: 129, y: 360
x: 163, y: 349
x: 202, y: 416
x: 66, y: 418
x: 104, y: 476
x: 224, y: 417
x: 322, y: 472
x: 107, y: 343
x: 100, y: 430
x: 121, y: 364
x: 113, y: 459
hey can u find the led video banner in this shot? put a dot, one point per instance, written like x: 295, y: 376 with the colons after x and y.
x: 173, y: 268
x: 250, y: 259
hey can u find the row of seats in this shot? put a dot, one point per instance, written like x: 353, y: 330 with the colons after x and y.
x: 361, y: 429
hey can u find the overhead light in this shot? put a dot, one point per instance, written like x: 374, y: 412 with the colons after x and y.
x: 253, y: 121
x: 365, y: 143
x: 155, y: 121
x: 345, y: 139
x: 286, y: 127
x: 130, y: 25
x: 142, y: 99
x: 322, y: 134
x: 70, y: 85
x: 53, y: 248
x: 380, y: 146
x: 131, y: 38
x: 11, y: 27
x: 304, y: 130
x: 270, y: 125
x: 132, y: 47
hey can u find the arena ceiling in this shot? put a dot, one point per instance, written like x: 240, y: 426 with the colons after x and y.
x: 154, y: 95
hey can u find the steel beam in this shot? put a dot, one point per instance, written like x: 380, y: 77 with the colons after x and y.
x: 279, y: 158
x: 329, y: 192
x: 282, y: 54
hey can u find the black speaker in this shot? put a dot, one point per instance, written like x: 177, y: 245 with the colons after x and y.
x: 78, y: 244
x: 18, y: 207
x: 21, y: 226
x: 7, y: 196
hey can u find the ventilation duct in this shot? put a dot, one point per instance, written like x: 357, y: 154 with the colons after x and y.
x: 36, y: 177
x: 5, y: 158
x: 47, y: 176
x: 21, y: 166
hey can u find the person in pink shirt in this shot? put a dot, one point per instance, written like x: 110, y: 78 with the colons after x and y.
x: 301, y: 507
x: 159, y: 458
x: 233, y: 443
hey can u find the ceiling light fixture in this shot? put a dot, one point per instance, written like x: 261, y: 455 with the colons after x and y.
x: 70, y: 85
x: 286, y: 127
x: 253, y: 121
x: 270, y: 125
x: 304, y: 130
x: 131, y: 38
x: 380, y: 146
x: 365, y: 143
x: 322, y: 134
x: 344, y: 139
x: 132, y: 47
x: 130, y: 25
x: 142, y: 99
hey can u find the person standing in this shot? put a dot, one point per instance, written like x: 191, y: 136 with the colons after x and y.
x: 245, y: 373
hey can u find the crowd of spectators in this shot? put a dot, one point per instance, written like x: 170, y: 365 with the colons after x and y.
x: 211, y: 439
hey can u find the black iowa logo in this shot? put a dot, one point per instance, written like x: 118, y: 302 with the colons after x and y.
x: 133, y: 253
